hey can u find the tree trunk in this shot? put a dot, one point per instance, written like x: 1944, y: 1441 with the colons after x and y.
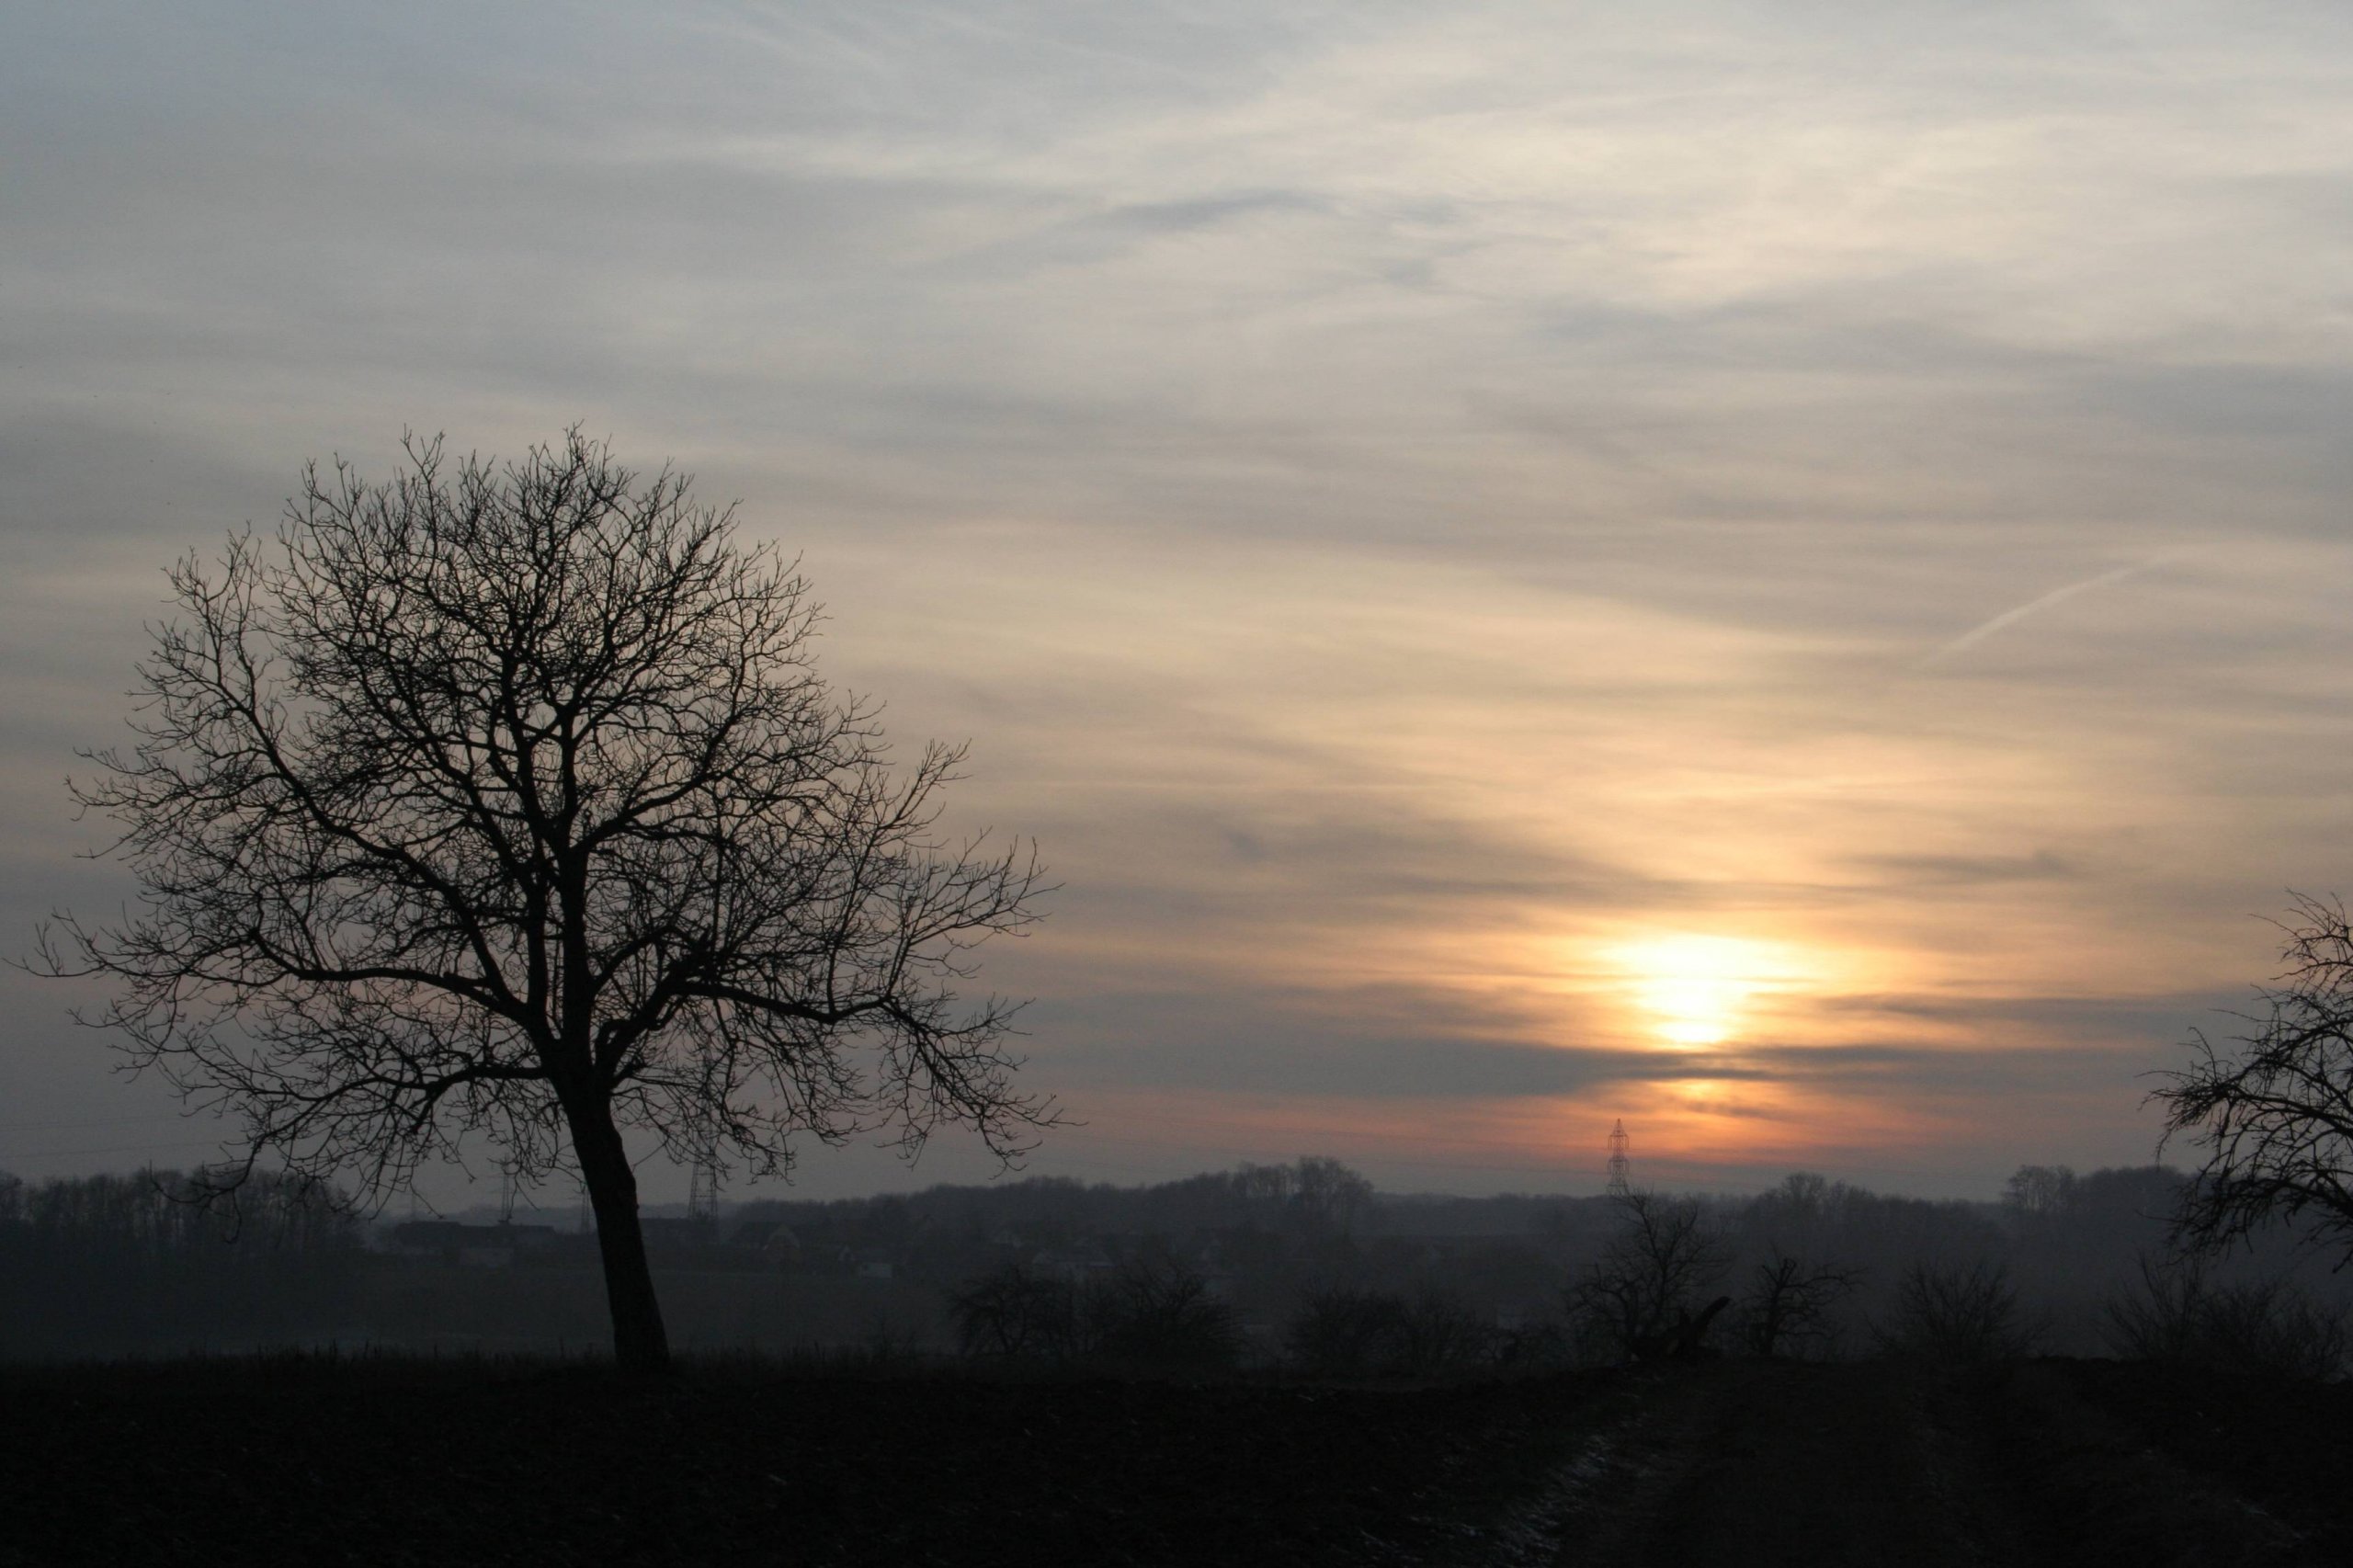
x: 639, y: 1343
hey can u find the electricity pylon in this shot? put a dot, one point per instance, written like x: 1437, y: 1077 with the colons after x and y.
x: 1621, y: 1168
x: 702, y: 1194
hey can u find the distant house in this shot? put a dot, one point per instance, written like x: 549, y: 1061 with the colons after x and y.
x: 770, y: 1241
x: 826, y: 1257
x: 772, y: 1238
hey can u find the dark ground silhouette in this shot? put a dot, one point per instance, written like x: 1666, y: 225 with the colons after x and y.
x: 391, y: 1464
x: 2030, y: 1463
x: 1881, y: 1462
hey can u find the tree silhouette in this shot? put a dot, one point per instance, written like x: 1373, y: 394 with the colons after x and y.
x: 508, y: 800
x: 1651, y: 1273
x: 1787, y: 1307
x: 1016, y: 1311
x: 2275, y: 1116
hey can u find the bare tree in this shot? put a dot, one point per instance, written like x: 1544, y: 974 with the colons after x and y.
x: 1951, y: 1314
x: 1787, y: 1307
x: 1344, y: 1333
x: 1155, y: 1312
x: 1328, y: 1194
x: 1651, y: 1274
x: 2276, y: 1114
x: 508, y: 799
x: 2038, y: 1193
x: 1341, y: 1332
x: 2263, y: 1327
x: 1013, y: 1311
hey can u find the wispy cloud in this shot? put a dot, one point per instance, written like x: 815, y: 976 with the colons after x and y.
x: 2040, y: 602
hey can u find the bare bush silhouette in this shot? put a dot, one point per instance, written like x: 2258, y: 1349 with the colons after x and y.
x: 1786, y: 1310
x: 1149, y: 1313
x: 2262, y: 1328
x: 1443, y: 1337
x: 1015, y: 1311
x: 1342, y: 1333
x: 1160, y: 1316
x: 1944, y: 1313
x: 507, y: 801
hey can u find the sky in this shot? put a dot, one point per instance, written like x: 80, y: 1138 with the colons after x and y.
x: 1777, y: 571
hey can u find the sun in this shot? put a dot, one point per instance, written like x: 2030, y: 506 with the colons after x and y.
x: 1693, y: 989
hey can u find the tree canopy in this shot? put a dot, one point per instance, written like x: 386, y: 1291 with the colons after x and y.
x: 2274, y: 1111
x: 508, y: 799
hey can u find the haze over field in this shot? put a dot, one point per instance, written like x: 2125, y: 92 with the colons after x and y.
x: 1774, y: 571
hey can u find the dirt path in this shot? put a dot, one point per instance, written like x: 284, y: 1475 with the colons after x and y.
x: 1874, y: 1465
x: 1753, y: 1465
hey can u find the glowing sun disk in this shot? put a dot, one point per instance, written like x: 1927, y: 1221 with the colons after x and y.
x: 1694, y: 988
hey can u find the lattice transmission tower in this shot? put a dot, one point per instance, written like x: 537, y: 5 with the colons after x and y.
x: 702, y: 1194
x: 1621, y: 1168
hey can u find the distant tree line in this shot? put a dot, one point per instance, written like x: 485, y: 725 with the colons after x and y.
x: 159, y: 1261
x: 1300, y: 1265
x: 1811, y: 1269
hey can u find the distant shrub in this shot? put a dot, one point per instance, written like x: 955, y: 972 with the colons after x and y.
x: 1012, y: 1312
x: 1786, y: 1310
x: 1160, y: 1316
x: 1946, y: 1313
x: 1148, y: 1314
x: 1443, y: 1335
x: 2264, y: 1328
x: 1343, y: 1333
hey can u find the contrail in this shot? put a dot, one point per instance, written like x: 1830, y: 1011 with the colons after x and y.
x: 2008, y: 618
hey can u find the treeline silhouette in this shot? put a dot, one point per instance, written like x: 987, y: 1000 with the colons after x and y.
x: 1300, y: 1266
x: 153, y: 1260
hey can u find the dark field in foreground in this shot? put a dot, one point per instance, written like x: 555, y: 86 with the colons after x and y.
x: 387, y: 1462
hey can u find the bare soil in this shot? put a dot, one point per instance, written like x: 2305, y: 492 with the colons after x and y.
x: 387, y: 1462
x: 2057, y: 1463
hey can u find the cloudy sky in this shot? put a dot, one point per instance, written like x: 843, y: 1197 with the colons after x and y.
x: 1776, y: 571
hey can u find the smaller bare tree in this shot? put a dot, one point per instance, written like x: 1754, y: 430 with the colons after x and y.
x: 2038, y: 1193
x: 1786, y: 1311
x: 1950, y: 1313
x: 1155, y: 1312
x: 1015, y: 1313
x: 1652, y: 1273
x: 2267, y: 1328
x: 1344, y: 1333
